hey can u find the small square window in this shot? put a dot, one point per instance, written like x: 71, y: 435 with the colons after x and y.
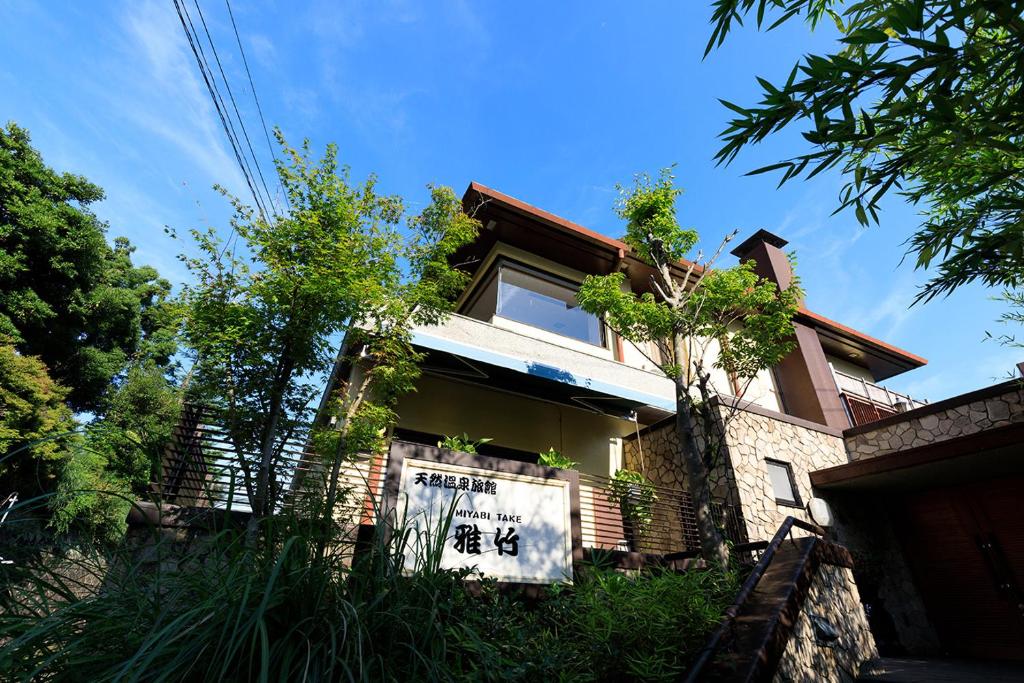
x: 781, y: 475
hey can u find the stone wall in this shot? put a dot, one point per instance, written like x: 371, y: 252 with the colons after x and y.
x: 752, y: 435
x: 897, y: 614
x: 832, y: 597
x: 960, y: 416
x: 656, y: 455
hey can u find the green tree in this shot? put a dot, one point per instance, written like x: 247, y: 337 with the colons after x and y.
x: 66, y: 295
x: 702, y: 319
x: 113, y: 459
x: 923, y: 96
x: 262, y: 326
x: 34, y: 424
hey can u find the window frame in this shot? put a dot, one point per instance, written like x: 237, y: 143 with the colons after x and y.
x: 506, y: 262
x: 788, y: 467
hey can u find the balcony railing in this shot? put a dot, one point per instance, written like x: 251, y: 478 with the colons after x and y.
x: 867, y: 402
x: 201, y: 470
x: 672, y: 527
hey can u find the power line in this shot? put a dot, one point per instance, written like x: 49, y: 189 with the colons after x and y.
x: 252, y: 88
x: 201, y: 61
x: 234, y: 105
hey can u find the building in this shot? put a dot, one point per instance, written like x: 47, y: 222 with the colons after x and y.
x: 521, y: 364
x: 925, y: 497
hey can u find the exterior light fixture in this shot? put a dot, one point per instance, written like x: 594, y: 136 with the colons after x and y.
x: 825, y: 633
x: 820, y: 512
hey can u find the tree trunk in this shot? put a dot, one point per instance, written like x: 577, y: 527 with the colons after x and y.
x: 712, y: 543
x: 263, y: 504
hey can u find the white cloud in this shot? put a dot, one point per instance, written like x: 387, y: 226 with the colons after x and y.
x: 935, y: 383
x: 167, y: 98
x: 891, y: 311
x: 262, y: 50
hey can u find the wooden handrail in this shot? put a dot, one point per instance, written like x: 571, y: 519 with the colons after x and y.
x: 730, y: 613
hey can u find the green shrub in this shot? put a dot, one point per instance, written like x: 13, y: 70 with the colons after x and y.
x: 282, y: 609
x: 609, y: 626
x: 635, y: 495
x: 553, y: 458
x: 90, y: 500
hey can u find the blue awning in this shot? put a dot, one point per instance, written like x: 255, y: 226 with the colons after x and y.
x: 540, y: 370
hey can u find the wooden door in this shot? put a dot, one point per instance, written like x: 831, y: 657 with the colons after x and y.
x: 965, y: 546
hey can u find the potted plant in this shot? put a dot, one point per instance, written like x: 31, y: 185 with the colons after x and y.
x: 554, y: 458
x: 462, y: 443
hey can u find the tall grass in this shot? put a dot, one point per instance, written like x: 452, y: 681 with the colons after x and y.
x: 221, y: 608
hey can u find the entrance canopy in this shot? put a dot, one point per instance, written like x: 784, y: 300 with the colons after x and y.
x: 983, y: 455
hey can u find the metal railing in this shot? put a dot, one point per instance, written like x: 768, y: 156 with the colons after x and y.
x: 202, y: 467
x: 670, y: 527
x: 696, y: 672
x: 866, y: 401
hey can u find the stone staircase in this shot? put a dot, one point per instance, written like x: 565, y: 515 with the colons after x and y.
x: 797, y: 618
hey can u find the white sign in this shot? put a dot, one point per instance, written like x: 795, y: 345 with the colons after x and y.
x: 510, y: 527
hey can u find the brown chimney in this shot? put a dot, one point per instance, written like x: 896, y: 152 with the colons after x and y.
x: 803, y: 377
x: 765, y: 249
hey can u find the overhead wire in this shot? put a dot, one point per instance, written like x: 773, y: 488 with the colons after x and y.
x: 197, y: 52
x: 255, y: 97
x: 234, y: 105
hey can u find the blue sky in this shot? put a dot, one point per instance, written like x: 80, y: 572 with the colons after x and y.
x: 553, y: 103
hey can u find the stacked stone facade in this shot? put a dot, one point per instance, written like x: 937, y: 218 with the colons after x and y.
x: 884, y: 579
x: 832, y: 597
x: 939, y: 422
x: 861, y: 521
x: 751, y: 439
x: 752, y: 435
x: 656, y: 455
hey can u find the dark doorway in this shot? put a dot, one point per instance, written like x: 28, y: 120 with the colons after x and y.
x: 965, y: 546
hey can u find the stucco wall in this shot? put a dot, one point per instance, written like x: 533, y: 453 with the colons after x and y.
x: 447, y: 407
x: 926, y: 426
x: 852, y: 369
x: 833, y: 597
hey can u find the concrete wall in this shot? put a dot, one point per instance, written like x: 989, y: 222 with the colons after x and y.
x: 553, y: 337
x: 449, y: 407
x: 940, y: 421
x: 529, y: 353
x: 833, y: 597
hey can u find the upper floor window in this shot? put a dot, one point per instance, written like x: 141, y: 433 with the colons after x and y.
x: 529, y: 296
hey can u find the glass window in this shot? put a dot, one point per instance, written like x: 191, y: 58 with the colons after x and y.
x: 485, y: 300
x: 547, y: 303
x: 781, y: 476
